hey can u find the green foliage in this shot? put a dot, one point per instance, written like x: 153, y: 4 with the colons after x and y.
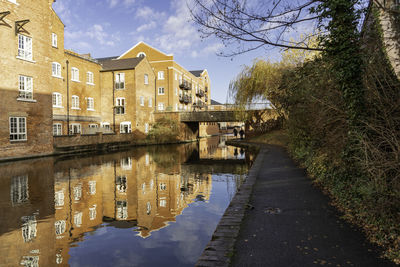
x: 164, y: 130
x: 342, y: 120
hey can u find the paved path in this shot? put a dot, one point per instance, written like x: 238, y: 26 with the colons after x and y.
x: 292, y: 223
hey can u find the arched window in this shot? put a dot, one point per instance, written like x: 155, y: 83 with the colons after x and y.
x: 141, y: 54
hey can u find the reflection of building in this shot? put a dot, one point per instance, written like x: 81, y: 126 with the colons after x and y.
x: 27, y: 214
x: 49, y: 206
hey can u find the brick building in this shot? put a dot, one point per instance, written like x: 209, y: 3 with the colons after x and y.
x: 47, y: 90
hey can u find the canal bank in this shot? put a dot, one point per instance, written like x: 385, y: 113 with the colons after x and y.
x: 278, y: 218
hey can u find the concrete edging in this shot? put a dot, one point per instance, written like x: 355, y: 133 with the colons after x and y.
x: 220, y: 249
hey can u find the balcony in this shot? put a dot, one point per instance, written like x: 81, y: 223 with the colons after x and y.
x: 187, y: 99
x: 206, y: 89
x: 181, y: 98
x: 206, y: 99
x: 200, y: 93
x: 185, y: 85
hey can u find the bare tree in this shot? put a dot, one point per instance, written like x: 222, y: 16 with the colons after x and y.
x: 251, y: 24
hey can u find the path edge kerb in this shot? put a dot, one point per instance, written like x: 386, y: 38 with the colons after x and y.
x: 220, y: 249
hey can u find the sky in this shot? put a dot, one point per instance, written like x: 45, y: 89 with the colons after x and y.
x: 110, y: 27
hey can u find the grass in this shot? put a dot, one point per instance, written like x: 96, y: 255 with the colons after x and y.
x: 276, y: 137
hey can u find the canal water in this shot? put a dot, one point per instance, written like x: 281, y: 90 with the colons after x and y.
x: 149, y: 206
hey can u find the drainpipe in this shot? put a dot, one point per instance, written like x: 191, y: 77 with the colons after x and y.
x: 67, y: 98
x: 155, y: 93
x: 113, y: 101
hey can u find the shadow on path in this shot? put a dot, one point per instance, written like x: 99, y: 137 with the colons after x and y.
x: 291, y: 223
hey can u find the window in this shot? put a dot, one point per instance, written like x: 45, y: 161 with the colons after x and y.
x: 57, y: 100
x: 161, y: 75
x: 141, y: 54
x: 30, y: 260
x: 161, y: 90
x: 89, y: 78
x: 18, y: 129
x: 120, y: 81
x: 75, y: 102
x: 54, y: 40
x: 176, y: 76
x: 142, y: 101
x: 90, y: 103
x: 125, y: 127
x: 120, y: 105
x: 105, y: 125
x: 60, y: 227
x: 163, y: 202
x: 92, y: 187
x: 146, y: 127
x: 78, y: 219
x: 148, y: 208
x: 121, y: 184
x: 59, y: 198
x: 25, y: 87
x: 163, y: 186
x: 56, y: 69
x: 126, y: 163
x: 24, y: 47
x: 150, y: 102
x: 176, y: 106
x: 160, y: 106
x: 19, y: 190
x: 57, y: 129
x: 122, y: 210
x: 74, y: 74
x: 78, y: 192
x: 93, y: 126
x: 29, y: 228
x: 74, y: 128
x: 92, y: 212
x: 146, y: 79
x: 176, y: 91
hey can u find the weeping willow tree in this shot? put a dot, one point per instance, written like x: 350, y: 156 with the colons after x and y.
x: 263, y: 82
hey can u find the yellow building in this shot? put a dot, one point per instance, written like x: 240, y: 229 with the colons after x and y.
x: 176, y: 88
x: 127, y: 94
x: 48, y: 91
x: 25, y: 93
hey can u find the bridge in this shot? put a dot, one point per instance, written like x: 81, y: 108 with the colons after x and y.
x: 225, y: 113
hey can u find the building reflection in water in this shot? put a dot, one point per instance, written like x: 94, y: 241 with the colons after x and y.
x: 49, y: 205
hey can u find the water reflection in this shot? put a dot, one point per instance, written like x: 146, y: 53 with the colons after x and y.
x: 110, y: 209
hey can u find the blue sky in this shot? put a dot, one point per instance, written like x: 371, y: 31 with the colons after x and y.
x: 110, y: 27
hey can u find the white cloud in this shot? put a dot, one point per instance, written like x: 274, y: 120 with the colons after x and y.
x: 146, y: 27
x: 125, y: 3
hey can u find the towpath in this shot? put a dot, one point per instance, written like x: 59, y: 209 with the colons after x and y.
x: 285, y: 221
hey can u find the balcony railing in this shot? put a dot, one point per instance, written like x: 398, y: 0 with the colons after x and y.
x: 185, y: 85
x: 187, y: 99
x: 200, y: 93
x: 206, y: 89
x: 181, y: 98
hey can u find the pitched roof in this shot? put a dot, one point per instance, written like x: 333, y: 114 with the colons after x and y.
x: 120, y: 64
x: 101, y: 59
x: 141, y: 42
x: 213, y: 102
x: 196, y: 73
